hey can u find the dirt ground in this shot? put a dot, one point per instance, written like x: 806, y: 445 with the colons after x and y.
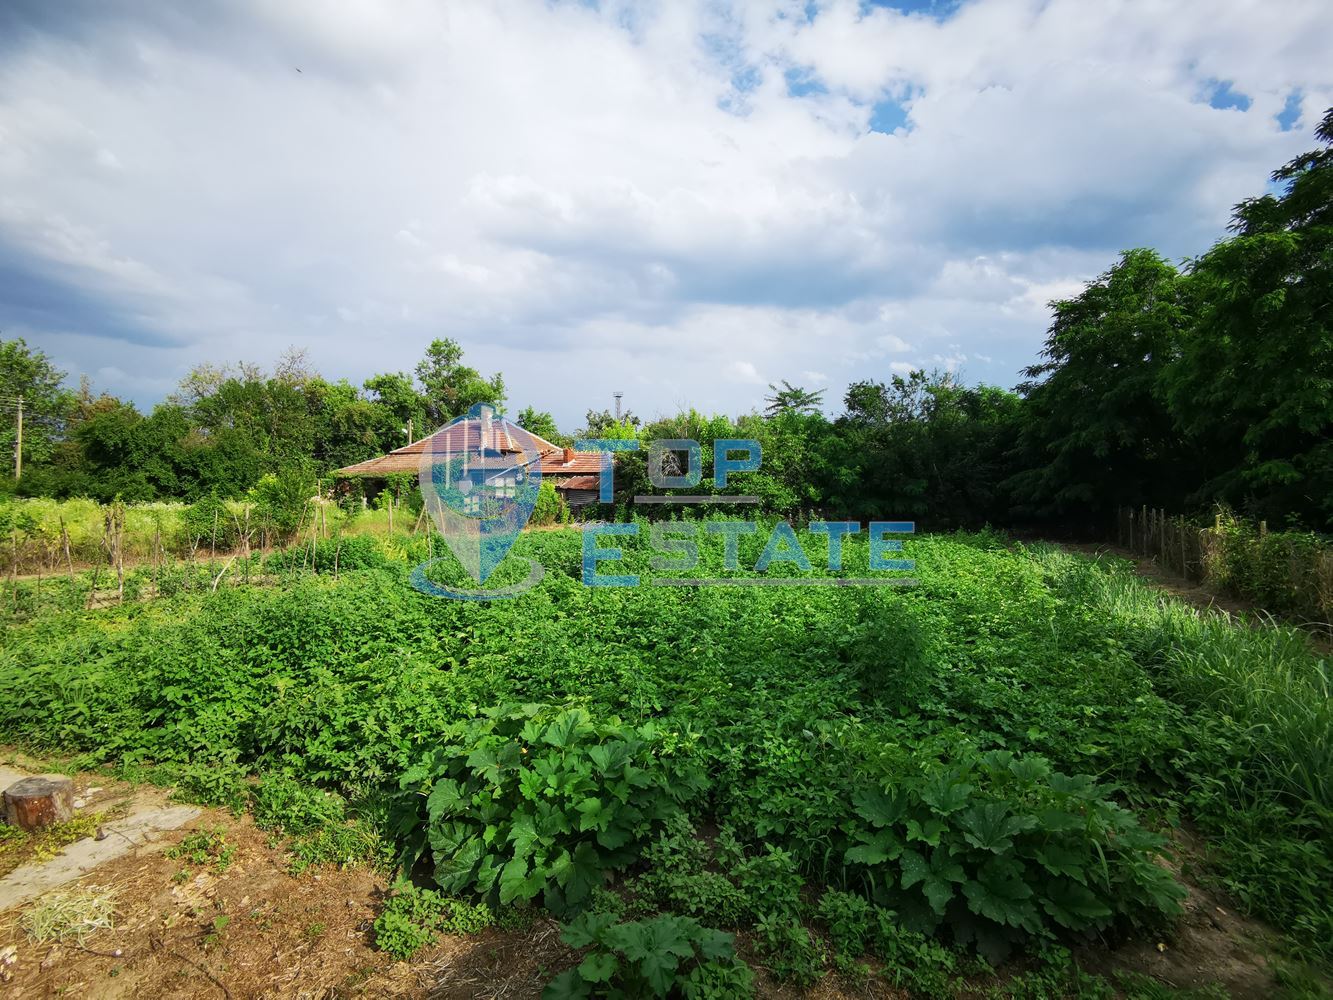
x: 183, y: 930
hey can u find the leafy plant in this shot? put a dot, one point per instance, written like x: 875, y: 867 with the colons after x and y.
x: 1000, y: 845
x: 527, y: 801
x: 790, y: 952
x: 666, y: 955
x: 413, y: 918
x: 205, y: 848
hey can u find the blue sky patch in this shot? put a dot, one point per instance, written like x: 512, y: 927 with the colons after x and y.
x: 888, y: 116
x: 1290, y: 114
x: 940, y: 10
x: 801, y: 82
x: 1224, y: 98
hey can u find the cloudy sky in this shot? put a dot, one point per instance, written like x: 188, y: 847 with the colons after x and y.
x: 681, y: 201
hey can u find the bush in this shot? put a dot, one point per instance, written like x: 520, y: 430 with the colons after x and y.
x: 414, y: 918
x: 209, y: 523
x: 529, y: 801
x: 281, y: 502
x: 655, y: 957
x: 550, y: 506
x: 1001, y: 847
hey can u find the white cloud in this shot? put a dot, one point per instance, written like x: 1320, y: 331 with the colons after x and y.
x: 892, y: 342
x: 627, y: 196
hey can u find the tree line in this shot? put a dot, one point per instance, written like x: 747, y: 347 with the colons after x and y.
x: 1176, y: 386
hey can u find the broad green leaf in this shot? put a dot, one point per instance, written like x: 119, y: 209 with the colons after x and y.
x: 523, y: 833
x: 1059, y: 859
x: 564, y: 730
x: 878, y: 848
x: 593, y: 814
x: 927, y: 832
x: 1031, y: 768
x: 598, y: 967
x: 569, y: 985
x: 485, y: 764
x: 445, y: 799
x: 946, y: 794
x: 937, y: 876
x: 878, y: 807
x: 990, y: 827
x: 454, y: 872
x: 1001, y: 896
x: 586, y: 929
x: 1072, y: 905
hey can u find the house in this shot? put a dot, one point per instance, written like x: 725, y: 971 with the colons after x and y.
x: 489, y: 445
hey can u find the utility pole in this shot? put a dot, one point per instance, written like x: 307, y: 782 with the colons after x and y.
x: 409, y: 430
x: 18, y: 445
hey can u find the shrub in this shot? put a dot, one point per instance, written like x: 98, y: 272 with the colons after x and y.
x: 652, y: 957
x: 1000, y: 847
x: 530, y: 800
x: 550, y: 506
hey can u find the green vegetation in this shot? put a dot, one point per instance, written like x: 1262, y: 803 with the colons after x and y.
x: 414, y: 918
x: 987, y: 763
x: 653, y: 957
x: 205, y: 849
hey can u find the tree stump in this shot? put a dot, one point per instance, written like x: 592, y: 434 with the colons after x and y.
x: 33, y: 803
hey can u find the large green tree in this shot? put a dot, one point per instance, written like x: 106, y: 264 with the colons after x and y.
x: 1252, y: 385
x: 28, y: 374
x: 1097, y: 432
x: 450, y: 387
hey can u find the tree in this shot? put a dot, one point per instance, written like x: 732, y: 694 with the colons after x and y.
x: 924, y: 447
x: 1252, y: 386
x: 792, y: 399
x: 451, y: 388
x: 1097, y: 433
x: 542, y: 424
x: 603, y: 424
x: 47, y: 405
x: 400, y: 405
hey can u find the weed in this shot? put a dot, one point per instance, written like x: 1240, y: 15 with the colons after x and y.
x: 414, y: 918
x: 791, y: 953
x: 650, y: 958
x: 205, y: 848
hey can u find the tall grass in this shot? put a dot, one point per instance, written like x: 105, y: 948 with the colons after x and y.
x: 1256, y: 703
x: 1267, y: 679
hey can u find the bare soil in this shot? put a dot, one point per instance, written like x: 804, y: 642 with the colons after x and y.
x: 310, y: 936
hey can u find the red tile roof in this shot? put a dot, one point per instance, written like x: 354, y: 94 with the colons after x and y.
x: 582, y: 462
x: 579, y: 483
x: 466, y: 436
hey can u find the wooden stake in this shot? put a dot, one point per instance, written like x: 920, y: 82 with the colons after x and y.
x: 64, y: 535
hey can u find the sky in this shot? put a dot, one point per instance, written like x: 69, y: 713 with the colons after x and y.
x: 680, y: 201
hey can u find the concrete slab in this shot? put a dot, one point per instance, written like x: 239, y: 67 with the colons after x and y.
x: 121, y: 837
